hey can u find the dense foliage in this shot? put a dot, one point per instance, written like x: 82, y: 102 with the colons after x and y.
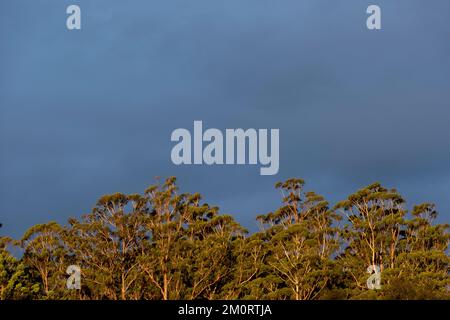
x: 167, y: 245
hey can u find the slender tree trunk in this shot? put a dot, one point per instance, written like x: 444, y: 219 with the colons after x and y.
x: 165, y: 286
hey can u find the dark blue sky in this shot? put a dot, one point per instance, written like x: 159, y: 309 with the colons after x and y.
x: 89, y: 112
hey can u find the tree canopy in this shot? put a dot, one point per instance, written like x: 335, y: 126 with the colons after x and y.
x: 163, y: 244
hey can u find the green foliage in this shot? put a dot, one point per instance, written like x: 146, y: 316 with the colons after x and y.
x: 163, y: 244
x: 17, y: 280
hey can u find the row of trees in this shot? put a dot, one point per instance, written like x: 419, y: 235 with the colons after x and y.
x: 167, y: 245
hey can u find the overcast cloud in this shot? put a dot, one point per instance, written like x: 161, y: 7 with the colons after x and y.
x: 89, y: 112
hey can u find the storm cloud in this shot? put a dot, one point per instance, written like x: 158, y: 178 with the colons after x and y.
x: 89, y: 112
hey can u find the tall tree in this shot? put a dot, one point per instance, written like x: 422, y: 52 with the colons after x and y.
x: 188, y: 250
x: 375, y: 215
x: 44, y: 251
x: 301, y: 240
x: 106, y: 245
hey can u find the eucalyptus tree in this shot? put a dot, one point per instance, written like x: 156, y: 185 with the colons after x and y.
x: 301, y: 239
x: 187, y: 255
x: 45, y: 251
x: 107, y: 244
x: 375, y: 217
x: 422, y: 267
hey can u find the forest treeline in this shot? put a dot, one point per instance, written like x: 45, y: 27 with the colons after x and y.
x: 164, y: 244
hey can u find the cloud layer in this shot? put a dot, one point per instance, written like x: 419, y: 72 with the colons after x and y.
x: 89, y: 112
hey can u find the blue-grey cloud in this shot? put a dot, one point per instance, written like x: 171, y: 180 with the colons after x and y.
x: 84, y: 113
